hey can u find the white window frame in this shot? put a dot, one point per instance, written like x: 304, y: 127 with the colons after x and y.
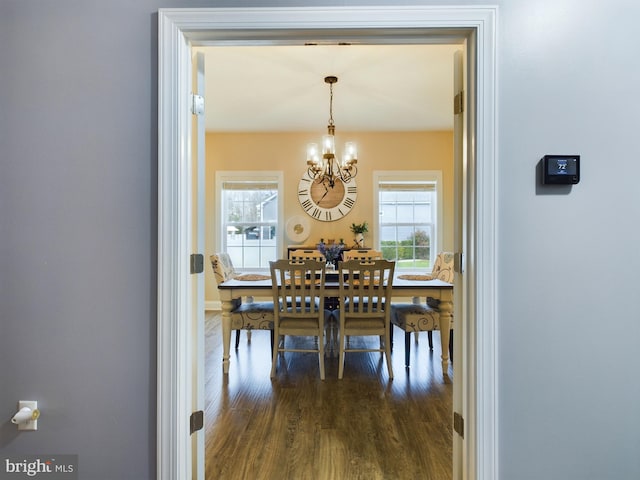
x: 223, y: 176
x: 427, y: 176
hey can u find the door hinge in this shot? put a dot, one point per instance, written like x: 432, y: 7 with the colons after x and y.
x: 458, y: 262
x: 458, y: 424
x: 458, y: 103
x: 197, y: 104
x: 196, y: 421
x: 197, y: 263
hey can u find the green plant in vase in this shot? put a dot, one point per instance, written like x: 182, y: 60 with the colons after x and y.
x: 359, y: 229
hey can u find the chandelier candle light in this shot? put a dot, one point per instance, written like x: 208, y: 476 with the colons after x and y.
x: 326, y: 168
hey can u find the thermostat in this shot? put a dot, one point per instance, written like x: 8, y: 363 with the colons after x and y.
x: 560, y: 169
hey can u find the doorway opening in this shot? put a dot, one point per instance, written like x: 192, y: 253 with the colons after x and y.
x: 260, y: 107
x: 182, y: 28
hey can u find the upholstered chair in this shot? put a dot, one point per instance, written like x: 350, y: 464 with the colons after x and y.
x: 245, y: 315
x: 418, y: 317
x: 443, y: 267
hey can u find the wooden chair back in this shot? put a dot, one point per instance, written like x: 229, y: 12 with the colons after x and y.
x: 362, y: 255
x: 298, y: 287
x: 301, y: 254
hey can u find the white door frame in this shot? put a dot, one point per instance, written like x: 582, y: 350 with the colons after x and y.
x: 179, y: 29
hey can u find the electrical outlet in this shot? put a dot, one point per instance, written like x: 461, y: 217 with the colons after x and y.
x: 33, y: 423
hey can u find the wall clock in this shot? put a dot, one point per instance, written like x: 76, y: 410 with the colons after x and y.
x: 325, y: 201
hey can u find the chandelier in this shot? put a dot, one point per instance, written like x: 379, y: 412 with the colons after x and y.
x: 322, y: 165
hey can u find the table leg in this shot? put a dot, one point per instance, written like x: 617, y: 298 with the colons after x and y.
x: 227, y: 305
x: 446, y: 309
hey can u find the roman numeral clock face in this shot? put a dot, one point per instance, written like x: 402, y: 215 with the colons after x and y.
x: 325, y: 202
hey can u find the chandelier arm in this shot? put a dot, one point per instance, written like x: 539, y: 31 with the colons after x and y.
x: 353, y: 171
x: 348, y: 173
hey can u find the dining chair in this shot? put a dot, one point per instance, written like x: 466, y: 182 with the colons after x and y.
x: 307, y: 254
x: 331, y: 327
x: 298, y: 294
x: 361, y: 254
x: 364, y: 254
x: 365, y: 301
x: 417, y: 317
x: 248, y: 315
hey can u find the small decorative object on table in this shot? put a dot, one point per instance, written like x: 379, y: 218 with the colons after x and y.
x: 331, y: 253
x: 359, y: 229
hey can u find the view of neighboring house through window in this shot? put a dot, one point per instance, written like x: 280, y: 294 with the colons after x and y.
x: 408, y: 226
x: 249, y: 212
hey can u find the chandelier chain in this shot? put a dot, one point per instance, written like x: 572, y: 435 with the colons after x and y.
x: 331, y: 104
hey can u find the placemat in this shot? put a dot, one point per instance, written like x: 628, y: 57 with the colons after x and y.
x: 376, y: 281
x: 251, y: 277
x: 415, y: 277
x: 307, y: 281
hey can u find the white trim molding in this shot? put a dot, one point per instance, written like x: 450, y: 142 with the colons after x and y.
x: 178, y: 30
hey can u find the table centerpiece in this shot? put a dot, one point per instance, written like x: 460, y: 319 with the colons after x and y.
x: 331, y: 252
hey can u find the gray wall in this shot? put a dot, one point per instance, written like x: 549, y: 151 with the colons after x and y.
x: 569, y: 325
x: 78, y: 134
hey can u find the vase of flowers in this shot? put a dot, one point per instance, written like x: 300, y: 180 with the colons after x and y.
x: 331, y: 252
x: 359, y: 229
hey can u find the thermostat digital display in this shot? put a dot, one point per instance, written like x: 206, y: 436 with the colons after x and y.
x: 560, y: 169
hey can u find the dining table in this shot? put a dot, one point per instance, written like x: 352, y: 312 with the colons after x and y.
x: 401, y: 288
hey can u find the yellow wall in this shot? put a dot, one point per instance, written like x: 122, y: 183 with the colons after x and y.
x: 287, y: 152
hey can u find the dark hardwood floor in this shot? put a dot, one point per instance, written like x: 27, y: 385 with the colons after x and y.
x: 299, y: 427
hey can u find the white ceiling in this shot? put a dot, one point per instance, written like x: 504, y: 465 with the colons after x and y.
x: 282, y: 88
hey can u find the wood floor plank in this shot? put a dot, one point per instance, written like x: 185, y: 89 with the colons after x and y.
x: 297, y: 426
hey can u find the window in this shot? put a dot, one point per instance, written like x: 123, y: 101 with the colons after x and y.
x: 249, y: 205
x: 409, y: 223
